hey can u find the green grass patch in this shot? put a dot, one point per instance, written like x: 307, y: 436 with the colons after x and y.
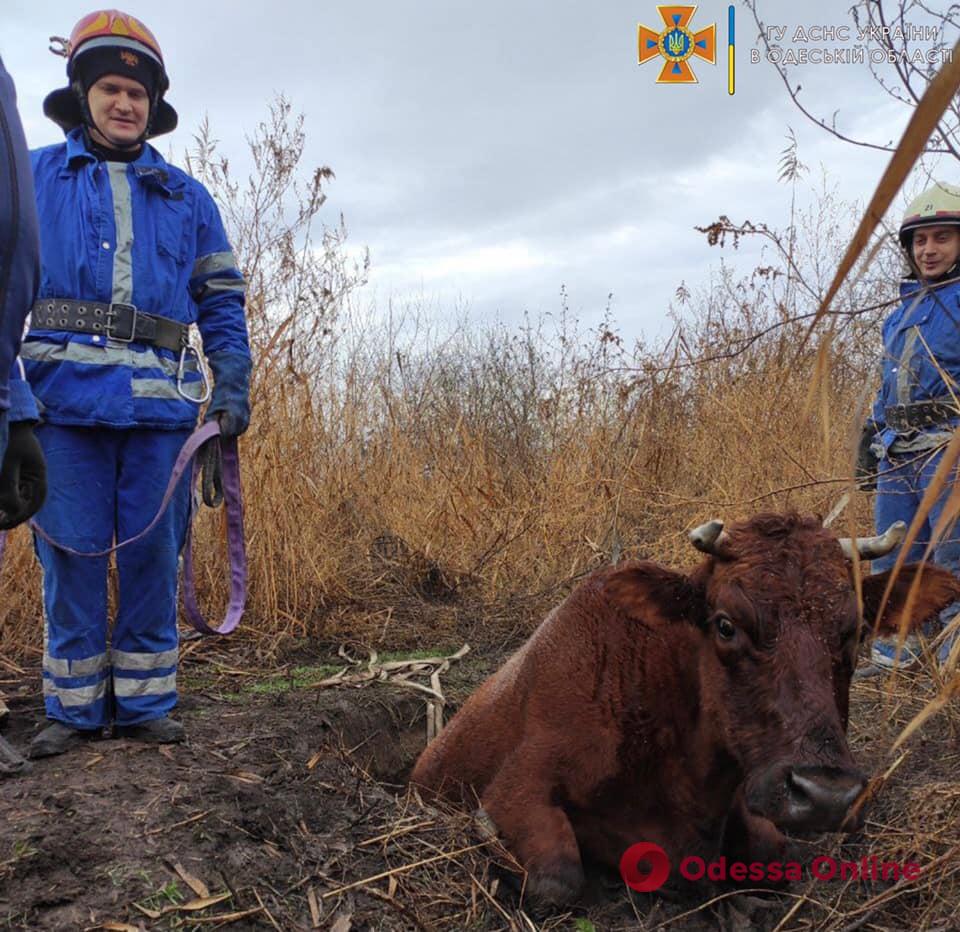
x: 462, y: 677
x: 301, y: 676
x: 296, y: 678
x: 169, y: 894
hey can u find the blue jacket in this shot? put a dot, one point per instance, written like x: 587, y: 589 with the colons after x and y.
x: 920, y: 338
x: 142, y: 233
x: 19, y: 253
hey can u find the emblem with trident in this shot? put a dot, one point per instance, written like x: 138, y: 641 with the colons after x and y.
x: 676, y: 44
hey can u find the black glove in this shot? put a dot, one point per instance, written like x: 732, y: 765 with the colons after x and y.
x: 230, y: 403
x: 867, y: 462
x: 211, y: 466
x: 23, y: 477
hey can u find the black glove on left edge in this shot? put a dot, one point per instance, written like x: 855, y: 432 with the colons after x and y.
x: 23, y: 477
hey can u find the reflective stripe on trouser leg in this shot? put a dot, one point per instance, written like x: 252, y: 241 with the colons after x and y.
x: 78, y: 512
x: 144, y: 643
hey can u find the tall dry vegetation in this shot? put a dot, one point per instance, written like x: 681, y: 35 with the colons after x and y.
x: 408, y: 486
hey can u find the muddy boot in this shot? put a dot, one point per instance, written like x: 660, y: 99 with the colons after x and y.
x: 157, y: 731
x: 57, y: 738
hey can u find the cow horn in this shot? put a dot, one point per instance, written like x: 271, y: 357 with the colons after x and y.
x: 709, y: 537
x: 871, y: 547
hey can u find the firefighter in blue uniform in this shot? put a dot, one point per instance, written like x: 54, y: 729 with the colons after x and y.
x: 133, y: 253
x: 916, y: 412
x: 22, y: 476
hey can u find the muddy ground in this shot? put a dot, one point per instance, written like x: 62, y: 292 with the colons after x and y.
x: 285, y: 794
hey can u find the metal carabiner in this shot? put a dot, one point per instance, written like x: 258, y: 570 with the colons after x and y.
x: 181, y: 367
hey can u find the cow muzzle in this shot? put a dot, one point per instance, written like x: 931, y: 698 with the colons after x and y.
x: 809, y: 798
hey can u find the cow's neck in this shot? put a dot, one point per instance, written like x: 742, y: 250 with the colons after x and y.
x: 669, y: 737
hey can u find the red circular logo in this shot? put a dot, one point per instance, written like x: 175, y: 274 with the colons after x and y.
x: 644, y: 867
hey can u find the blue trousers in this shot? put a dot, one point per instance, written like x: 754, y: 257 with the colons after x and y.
x: 105, y: 486
x: 901, y: 485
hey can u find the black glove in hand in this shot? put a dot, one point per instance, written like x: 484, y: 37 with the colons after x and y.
x: 230, y: 403
x: 867, y: 462
x: 23, y: 477
x: 211, y: 466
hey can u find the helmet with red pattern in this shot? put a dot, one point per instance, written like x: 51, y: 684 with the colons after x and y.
x: 111, y: 42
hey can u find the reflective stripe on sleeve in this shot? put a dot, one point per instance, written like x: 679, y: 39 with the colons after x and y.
x: 221, y: 284
x: 214, y: 262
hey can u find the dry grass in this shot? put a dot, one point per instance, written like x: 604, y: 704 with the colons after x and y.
x: 423, y: 490
x: 391, y: 470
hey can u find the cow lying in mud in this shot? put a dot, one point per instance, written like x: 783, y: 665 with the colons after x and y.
x: 705, y: 712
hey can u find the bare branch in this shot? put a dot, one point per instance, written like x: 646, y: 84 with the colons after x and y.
x: 903, y: 76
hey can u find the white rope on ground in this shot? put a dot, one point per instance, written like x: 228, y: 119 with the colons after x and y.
x: 399, y: 673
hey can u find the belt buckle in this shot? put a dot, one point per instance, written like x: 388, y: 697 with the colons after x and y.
x: 112, y: 310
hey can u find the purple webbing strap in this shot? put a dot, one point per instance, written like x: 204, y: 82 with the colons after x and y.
x: 233, y: 503
x: 187, y: 452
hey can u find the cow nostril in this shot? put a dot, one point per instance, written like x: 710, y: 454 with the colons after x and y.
x: 801, y: 784
x: 823, y: 791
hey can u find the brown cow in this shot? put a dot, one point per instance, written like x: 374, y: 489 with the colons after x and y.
x: 705, y: 712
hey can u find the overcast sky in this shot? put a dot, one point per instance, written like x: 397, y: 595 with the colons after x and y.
x: 490, y: 153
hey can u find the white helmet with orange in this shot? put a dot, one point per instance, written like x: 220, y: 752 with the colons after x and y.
x: 937, y: 206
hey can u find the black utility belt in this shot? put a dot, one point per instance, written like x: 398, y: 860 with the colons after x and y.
x: 920, y: 414
x: 115, y: 321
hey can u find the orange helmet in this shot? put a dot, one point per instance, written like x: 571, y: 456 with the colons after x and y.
x: 113, y: 29
x: 111, y: 42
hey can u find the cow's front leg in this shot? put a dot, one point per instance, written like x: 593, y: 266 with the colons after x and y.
x: 535, y: 829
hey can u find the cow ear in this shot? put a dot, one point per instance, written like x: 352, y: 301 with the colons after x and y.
x: 646, y: 591
x: 936, y: 590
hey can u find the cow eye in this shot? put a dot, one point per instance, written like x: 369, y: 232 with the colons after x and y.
x: 725, y: 628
